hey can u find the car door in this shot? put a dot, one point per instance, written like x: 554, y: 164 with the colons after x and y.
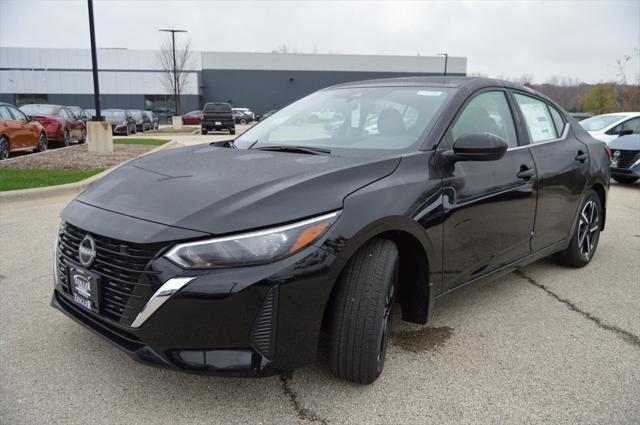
x: 74, y: 124
x: 10, y: 127
x: 489, y: 205
x: 27, y: 128
x: 562, y: 164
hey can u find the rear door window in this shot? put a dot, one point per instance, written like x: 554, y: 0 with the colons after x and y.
x: 540, y: 124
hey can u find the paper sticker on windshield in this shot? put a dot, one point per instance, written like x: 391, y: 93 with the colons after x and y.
x: 428, y: 93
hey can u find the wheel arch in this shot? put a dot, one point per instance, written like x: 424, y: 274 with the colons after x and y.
x: 602, y: 195
x: 415, y: 293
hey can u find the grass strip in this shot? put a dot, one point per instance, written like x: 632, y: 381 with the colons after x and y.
x: 27, y: 178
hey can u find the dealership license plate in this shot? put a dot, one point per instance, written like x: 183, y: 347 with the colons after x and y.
x: 84, y: 288
x: 218, y: 123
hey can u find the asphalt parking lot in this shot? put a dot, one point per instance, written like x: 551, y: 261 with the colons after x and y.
x: 544, y: 345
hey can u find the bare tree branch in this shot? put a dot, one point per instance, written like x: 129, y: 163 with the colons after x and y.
x: 183, y: 63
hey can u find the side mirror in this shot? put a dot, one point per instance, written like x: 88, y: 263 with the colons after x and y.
x: 625, y: 132
x: 478, y: 147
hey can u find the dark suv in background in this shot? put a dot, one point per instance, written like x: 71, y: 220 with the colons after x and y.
x: 217, y: 116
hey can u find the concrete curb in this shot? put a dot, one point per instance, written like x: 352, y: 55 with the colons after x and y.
x: 70, y: 188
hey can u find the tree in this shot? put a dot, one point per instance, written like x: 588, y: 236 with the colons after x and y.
x: 601, y: 99
x: 174, y: 83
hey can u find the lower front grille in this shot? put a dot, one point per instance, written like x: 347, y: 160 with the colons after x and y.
x: 126, y: 283
x: 627, y: 158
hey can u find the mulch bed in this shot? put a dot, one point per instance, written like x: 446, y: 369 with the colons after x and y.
x: 77, y: 158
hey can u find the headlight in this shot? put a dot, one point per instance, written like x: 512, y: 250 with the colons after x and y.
x: 253, y: 247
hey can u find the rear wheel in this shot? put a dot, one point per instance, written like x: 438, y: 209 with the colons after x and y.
x: 204, y: 131
x: 625, y: 180
x: 66, y: 140
x: 232, y: 131
x: 84, y: 136
x: 42, y: 143
x: 360, y: 319
x: 586, y: 235
x: 243, y: 121
x: 5, y: 148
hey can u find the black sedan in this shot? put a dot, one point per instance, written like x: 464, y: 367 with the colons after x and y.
x: 233, y: 258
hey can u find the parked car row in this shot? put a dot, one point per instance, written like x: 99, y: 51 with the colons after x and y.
x: 621, y: 132
x: 34, y: 126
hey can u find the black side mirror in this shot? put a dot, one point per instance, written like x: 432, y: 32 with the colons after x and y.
x: 625, y: 132
x: 477, y: 147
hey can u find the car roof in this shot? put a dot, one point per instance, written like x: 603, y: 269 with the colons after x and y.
x: 434, y: 81
x: 621, y: 114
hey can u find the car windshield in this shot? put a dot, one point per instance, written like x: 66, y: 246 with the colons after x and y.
x: 600, y: 122
x: 39, y: 110
x: 113, y: 114
x: 136, y: 115
x: 374, y: 118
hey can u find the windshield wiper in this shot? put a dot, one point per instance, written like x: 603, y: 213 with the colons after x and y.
x: 295, y: 149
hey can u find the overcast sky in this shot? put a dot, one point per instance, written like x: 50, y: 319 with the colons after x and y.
x: 579, y: 39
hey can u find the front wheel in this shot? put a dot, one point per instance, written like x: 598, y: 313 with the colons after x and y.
x: 625, y: 179
x: 204, y: 131
x: 42, y: 143
x: 586, y: 235
x: 67, y: 139
x: 360, y: 320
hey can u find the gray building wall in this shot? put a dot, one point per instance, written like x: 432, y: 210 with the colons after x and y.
x: 263, y: 90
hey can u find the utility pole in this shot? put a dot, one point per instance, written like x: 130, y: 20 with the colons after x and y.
x: 446, y: 58
x: 176, y: 88
x: 94, y: 65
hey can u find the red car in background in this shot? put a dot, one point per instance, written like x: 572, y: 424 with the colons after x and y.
x: 192, y: 118
x: 18, y: 132
x: 60, y: 123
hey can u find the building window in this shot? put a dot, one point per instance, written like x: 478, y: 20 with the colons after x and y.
x: 162, y: 105
x: 27, y: 99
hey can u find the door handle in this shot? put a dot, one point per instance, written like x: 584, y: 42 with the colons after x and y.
x: 526, y: 173
x: 581, y: 157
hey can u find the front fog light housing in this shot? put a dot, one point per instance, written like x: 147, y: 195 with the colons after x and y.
x: 253, y: 247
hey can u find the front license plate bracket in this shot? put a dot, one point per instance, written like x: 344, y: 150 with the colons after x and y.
x: 85, y: 288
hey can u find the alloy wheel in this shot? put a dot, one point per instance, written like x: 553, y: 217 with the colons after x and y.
x: 42, y: 143
x: 4, y: 148
x: 588, y: 229
x: 385, y: 326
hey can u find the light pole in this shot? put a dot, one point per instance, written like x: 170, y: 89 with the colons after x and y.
x: 446, y: 59
x: 94, y: 65
x: 176, y: 89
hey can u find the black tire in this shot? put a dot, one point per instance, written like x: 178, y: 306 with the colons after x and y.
x: 127, y: 131
x: 42, y: 143
x: 243, y: 121
x: 83, y: 139
x: 232, y: 131
x: 67, y: 139
x: 5, y: 148
x: 360, y: 316
x: 625, y: 180
x: 204, y: 131
x: 583, y: 245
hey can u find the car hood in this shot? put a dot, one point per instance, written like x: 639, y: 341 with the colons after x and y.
x: 630, y: 142
x: 115, y: 121
x: 222, y: 190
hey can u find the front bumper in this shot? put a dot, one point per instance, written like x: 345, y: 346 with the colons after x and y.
x: 250, y: 321
x: 632, y: 171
